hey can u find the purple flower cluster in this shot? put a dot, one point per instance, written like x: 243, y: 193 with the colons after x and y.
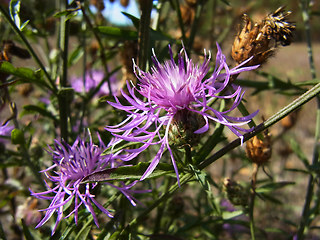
x: 178, y: 102
x: 173, y: 90
x: 71, y: 164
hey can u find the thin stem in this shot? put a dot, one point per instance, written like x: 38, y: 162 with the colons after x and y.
x: 310, y: 189
x: 53, y: 87
x: 62, y: 98
x: 144, y: 29
x: 181, y: 24
x: 195, y: 24
x: 304, y: 98
x: 188, y: 156
x: 304, y: 222
x: 252, y: 199
x: 161, y: 208
x: 101, y: 47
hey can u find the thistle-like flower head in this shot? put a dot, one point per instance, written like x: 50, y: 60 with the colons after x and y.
x: 71, y: 164
x: 178, y: 96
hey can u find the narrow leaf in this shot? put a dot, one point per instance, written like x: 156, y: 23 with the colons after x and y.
x: 128, y: 173
x: 118, y: 33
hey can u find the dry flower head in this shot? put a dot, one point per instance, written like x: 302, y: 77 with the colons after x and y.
x: 259, y: 40
x: 259, y: 150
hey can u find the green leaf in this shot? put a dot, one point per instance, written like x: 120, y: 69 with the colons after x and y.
x: 71, y: 226
x: 69, y: 13
x: 26, y: 232
x: 269, y: 187
x: 14, y: 10
x: 154, y: 35
x: 128, y: 173
x: 135, y: 21
x: 84, y: 232
x: 75, y: 56
x: 41, y: 110
x: 202, y: 178
x: 24, y: 25
x: 210, y: 144
x: 297, y: 170
x: 273, y: 83
x: 229, y: 215
x: 118, y: 33
x: 295, y: 146
x: 25, y: 74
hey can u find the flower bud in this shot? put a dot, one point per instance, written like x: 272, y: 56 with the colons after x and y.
x: 185, y: 123
x: 236, y: 193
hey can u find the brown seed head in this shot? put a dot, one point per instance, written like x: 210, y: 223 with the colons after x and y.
x: 259, y: 40
x: 259, y: 151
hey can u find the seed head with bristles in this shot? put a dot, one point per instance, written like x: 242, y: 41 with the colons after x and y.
x: 260, y: 40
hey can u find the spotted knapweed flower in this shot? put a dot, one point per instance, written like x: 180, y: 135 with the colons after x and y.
x: 92, y: 79
x: 178, y: 96
x: 72, y: 164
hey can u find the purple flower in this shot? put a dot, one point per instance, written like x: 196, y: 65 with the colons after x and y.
x: 5, y: 131
x: 92, y: 79
x: 72, y: 164
x: 175, y: 92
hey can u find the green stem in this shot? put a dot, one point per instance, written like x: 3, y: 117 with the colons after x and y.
x: 181, y: 24
x: 195, y: 24
x: 252, y: 200
x: 304, y: 98
x: 101, y: 47
x: 53, y: 87
x: 62, y: 98
x: 161, y: 208
x: 188, y: 156
x: 310, y: 189
x: 143, y: 40
x: 304, y: 222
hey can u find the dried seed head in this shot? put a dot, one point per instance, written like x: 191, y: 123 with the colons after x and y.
x: 259, y: 151
x: 279, y: 27
x: 236, y: 193
x: 259, y: 40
